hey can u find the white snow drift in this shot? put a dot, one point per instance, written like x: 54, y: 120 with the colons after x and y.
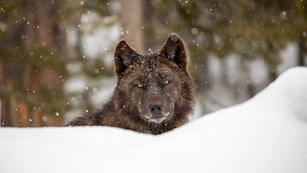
x: 266, y: 134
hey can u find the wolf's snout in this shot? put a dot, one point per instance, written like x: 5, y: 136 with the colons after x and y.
x: 155, y: 109
x: 156, y: 113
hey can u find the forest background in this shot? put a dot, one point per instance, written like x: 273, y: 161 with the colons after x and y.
x: 56, y: 57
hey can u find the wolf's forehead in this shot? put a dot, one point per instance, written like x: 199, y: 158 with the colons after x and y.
x: 150, y: 67
x: 153, y: 65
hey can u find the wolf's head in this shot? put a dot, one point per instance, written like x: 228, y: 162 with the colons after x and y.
x: 155, y: 88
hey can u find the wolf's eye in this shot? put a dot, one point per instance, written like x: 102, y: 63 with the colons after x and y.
x: 166, y: 81
x: 140, y: 85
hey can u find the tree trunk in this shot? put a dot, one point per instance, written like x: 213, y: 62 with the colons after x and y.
x: 156, y: 31
x: 5, y: 113
x: 23, y: 113
x: 3, y: 102
x: 41, y: 32
x: 301, y: 52
x: 132, y: 24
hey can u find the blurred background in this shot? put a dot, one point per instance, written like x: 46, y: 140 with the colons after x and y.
x: 56, y: 57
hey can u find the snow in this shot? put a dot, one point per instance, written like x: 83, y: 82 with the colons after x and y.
x: 266, y: 134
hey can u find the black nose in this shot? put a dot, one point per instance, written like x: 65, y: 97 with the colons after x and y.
x: 155, y: 109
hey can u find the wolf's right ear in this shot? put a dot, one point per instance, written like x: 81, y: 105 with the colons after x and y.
x: 175, y: 51
x: 124, y: 56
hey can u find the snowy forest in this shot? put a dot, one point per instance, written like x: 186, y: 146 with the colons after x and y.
x: 56, y: 57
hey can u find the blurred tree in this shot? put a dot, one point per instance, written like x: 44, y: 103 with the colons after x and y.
x: 32, y: 45
x: 132, y: 23
x: 155, y: 26
x: 301, y: 22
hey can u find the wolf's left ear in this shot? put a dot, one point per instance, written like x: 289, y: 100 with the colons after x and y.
x: 124, y: 56
x: 174, y: 50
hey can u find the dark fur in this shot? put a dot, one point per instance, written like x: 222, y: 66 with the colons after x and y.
x: 151, y: 88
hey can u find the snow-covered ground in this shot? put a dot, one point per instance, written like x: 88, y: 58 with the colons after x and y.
x: 266, y: 134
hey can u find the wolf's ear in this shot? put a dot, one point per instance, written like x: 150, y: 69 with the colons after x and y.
x: 174, y: 50
x: 124, y: 56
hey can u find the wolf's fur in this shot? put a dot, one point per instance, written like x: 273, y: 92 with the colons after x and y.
x: 154, y: 92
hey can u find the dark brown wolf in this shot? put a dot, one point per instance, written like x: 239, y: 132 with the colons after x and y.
x: 154, y: 92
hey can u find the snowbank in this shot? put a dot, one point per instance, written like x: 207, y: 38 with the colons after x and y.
x: 266, y: 134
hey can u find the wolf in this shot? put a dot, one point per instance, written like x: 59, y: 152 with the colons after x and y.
x: 154, y: 92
